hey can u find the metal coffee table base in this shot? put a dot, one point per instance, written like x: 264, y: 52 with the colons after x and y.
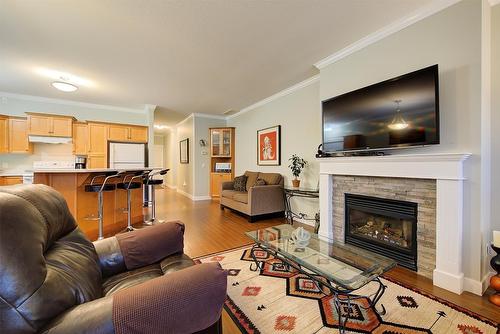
x: 340, y: 294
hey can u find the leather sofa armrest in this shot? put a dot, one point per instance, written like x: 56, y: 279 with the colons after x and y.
x: 151, y: 244
x: 110, y: 256
x: 228, y: 185
x: 186, y: 301
x: 268, y: 198
x: 93, y: 317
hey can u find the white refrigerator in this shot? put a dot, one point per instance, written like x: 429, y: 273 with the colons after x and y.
x: 127, y: 155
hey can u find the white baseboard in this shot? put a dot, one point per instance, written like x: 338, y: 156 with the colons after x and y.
x: 183, y: 193
x: 202, y: 198
x: 448, y: 281
x: 477, y: 287
x: 170, y: 186
x: 194, y: 198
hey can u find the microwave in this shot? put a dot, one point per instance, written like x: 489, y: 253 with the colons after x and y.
x: 222, y: 167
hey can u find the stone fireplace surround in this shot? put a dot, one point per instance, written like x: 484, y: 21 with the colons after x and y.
x: 440, y: 258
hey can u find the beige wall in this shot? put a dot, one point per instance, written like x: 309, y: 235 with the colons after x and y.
x: 185, y: 179
x: 495, y: 116
x: 299, y: 115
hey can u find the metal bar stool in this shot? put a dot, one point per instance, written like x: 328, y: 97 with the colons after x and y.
x: 129, y: 186
x: 100, y: 188
x: 150, y: 182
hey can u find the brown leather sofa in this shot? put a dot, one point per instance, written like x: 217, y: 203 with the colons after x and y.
x: 54, y: 280
x: 257, y: 201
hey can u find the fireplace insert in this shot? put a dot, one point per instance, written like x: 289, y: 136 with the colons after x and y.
x: 384, y: 226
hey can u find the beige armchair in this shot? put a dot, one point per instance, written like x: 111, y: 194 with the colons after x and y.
x: 257, y: 202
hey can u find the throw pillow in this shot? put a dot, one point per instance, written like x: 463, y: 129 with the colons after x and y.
x: 259, y: 182
x: 240, y: 183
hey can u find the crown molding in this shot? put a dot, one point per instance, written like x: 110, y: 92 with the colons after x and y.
x: 184, y: 120
x: 210, y: 116
x: 276, y: 96
x: 494, y: 2
x: 388, y: 30
x: 33, y: 98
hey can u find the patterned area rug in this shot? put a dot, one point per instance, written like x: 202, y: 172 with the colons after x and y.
x: 274, y: 300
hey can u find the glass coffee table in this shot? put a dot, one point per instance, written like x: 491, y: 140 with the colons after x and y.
x: 346, y: 268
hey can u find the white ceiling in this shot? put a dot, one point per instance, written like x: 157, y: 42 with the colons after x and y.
x: 186, y: 55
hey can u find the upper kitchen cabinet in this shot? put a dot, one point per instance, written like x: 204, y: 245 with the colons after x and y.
x: 4, y: 134
x: 18, y: 136
x: 80, y: 138
x: 50, y: 125
x: 128, y: 133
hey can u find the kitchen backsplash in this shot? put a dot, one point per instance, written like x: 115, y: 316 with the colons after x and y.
x: 41, y: 152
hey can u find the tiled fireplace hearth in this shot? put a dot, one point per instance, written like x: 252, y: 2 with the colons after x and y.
x: 432, y: 184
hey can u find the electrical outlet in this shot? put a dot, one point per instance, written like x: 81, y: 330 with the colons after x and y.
x: 489, y: 250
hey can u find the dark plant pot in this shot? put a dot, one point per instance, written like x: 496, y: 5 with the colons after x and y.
x: 296, y: 183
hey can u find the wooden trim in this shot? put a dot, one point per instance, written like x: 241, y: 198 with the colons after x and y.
x: 50, y: 115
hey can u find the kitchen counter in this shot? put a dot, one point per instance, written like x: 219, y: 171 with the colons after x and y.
x: 91, y: 170
x: 83, y: 205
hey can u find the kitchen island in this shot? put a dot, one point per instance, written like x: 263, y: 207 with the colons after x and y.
x: 83, y: 205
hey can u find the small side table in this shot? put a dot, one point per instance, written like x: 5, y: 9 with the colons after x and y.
x: 290, y: 192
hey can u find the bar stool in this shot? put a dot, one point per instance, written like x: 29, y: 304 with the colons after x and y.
x: 100, y: 188
x: 129, y: 186
x: 150, y: 182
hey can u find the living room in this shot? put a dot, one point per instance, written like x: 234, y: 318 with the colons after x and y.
x: 242, y: 248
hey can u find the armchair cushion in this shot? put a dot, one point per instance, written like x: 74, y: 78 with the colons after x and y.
x: 149, y: 245
x: 195, y: 298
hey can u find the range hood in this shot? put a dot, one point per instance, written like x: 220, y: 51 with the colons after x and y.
x: 49, y: 140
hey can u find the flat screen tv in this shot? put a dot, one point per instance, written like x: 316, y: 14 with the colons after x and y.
x: 396, y: 113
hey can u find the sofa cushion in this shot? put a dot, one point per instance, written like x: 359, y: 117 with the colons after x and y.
x: 240, y: 183
x: 227, y: 193
x: 251, y: 178
x: 241, y: 196
x: 270, y: 178
x: 260, y: 182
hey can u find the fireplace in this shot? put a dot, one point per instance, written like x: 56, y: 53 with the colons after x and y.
x: 384, y: 226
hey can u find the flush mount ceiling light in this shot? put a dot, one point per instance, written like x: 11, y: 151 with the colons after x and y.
x: 398, y: 122
x: 64, y: 86
x: 161, y: 127
x: 64, y: 81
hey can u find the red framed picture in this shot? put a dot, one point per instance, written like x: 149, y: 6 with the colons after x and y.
x: 269, y: 146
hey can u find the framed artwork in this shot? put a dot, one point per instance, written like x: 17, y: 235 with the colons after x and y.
x: 184, y: 151
x: 269, y: 146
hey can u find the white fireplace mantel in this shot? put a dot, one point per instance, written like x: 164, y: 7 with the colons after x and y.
x: 445, y: 168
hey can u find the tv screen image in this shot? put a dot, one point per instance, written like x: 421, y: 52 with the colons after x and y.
x: 398, y: 112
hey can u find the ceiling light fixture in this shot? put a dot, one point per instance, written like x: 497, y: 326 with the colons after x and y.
x: 161, y: 127
x: 64, y: 86
x: 398, y: 122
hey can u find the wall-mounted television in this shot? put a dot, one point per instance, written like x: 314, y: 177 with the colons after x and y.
x: 396, y: 113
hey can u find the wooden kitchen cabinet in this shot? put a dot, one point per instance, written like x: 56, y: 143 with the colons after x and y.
x: 10, y: 180
x: 4, y: 134
x: 18, y: 136
x: 128, y: 133
x: 50, y: 125
x: 97, y: 145
x: 80, y: 138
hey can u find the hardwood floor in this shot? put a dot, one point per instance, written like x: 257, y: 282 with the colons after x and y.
x: 210, y: 229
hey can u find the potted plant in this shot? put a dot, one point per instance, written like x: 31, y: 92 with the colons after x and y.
x: 297, y: 164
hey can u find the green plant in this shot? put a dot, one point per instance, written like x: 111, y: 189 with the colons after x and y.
x: 297, y: 164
